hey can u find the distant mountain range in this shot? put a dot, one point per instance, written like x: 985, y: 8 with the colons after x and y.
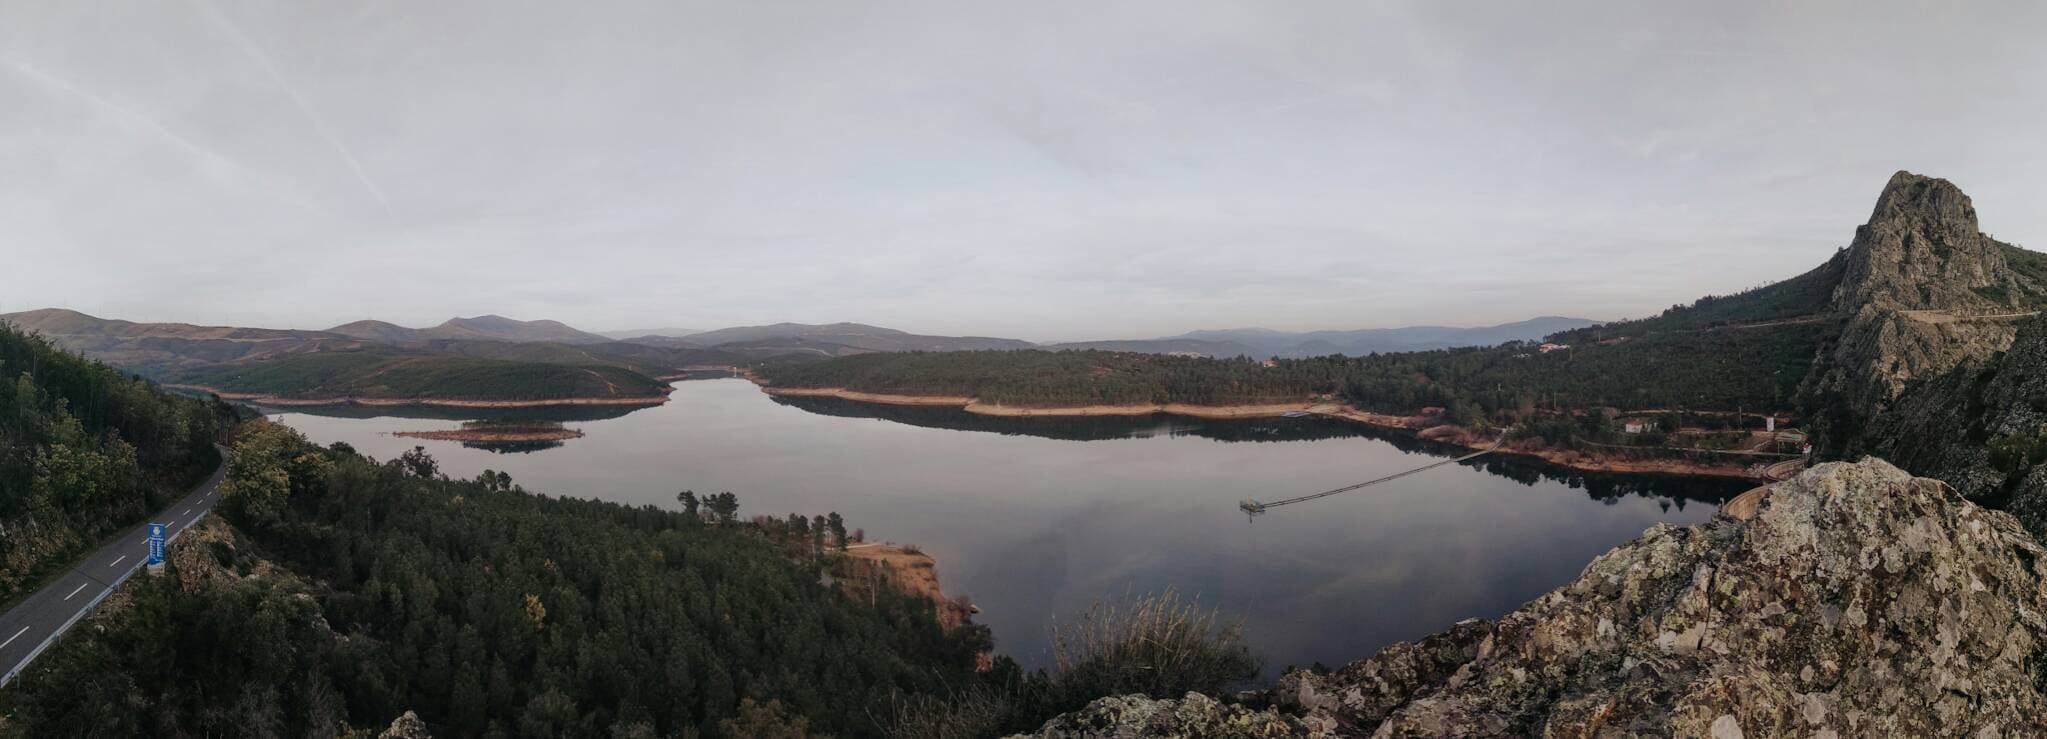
x: 836, y: 339
x: 353, y: 355
x: 1262, y: 342
x: 1265, y: 342
x: 634, y: 333
x: 489, y: 327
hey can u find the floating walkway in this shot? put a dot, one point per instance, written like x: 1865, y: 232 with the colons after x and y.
x: 1255, y: 507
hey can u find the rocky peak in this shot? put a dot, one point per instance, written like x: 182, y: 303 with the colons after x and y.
x: 1921, y: 249
x: 1919, y: 294
x: 1857, y: 601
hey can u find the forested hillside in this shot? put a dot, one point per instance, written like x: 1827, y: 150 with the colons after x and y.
x: 84, y: 451
x: 1802, y: 297
x: 1037, y: 377
x: 383, y: 372
x: 347, y: 592
x: 1724, y: 369
x: 486, y: 609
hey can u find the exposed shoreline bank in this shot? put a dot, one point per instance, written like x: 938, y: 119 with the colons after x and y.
x: 282, y: 401
x: 494, y: 435
x: 1424, y: 427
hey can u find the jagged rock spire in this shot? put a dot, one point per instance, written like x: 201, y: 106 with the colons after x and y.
x: 1922, y: 250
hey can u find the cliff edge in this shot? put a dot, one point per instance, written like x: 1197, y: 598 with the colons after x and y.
x: 1858, y: 601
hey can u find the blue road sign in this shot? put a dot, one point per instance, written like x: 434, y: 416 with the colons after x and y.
x: 156, y: 544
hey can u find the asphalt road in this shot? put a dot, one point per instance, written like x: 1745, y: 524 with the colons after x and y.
x: 35, y: 623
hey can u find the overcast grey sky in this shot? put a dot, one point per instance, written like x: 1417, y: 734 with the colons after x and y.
x: 1034, y: 169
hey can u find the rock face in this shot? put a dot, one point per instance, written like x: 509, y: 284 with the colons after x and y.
x: 1981, y: 428
x: 1858, y: 601
x: 407, y: 726
x: 1916, y: 278
x: 1196, y: 715
x: 1922, y: 249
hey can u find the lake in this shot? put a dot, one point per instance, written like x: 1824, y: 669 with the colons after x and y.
x: 1039, y: 517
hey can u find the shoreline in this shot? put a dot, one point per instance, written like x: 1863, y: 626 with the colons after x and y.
x: 485, y: 435
x: 287, y: 402
x: 1423, y: 427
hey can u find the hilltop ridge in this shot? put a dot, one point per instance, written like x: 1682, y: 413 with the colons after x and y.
x: 491, y: 326
x: 1922, y: 290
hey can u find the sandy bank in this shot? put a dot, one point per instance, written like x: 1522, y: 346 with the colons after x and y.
x: 494, y: 435
x: 839, y: 392
x: 906, y: 569
x: 278, y: 400
x: 1253, y: 410
x: 974, y: 405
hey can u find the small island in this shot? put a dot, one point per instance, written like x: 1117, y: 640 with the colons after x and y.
x: 500, y: 432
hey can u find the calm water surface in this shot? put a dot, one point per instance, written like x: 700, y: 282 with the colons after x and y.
x: 1037, y: 517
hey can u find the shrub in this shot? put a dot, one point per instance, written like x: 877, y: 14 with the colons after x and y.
x: 1158, y: 645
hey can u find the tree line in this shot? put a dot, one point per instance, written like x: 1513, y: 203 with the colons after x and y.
x: 1732, y: 369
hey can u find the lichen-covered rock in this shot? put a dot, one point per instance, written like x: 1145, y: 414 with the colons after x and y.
x: 1857, y: 601
x: 1194, y: 716
x: 407, y: 726
x: 1363, y: 692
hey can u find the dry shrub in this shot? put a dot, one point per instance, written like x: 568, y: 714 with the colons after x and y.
x: 1159, y: 645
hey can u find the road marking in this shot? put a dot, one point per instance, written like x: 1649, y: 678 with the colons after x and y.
x: 118, y: 561
x: 188, y: 511
x: 17, y: 635
x: 74, y: 593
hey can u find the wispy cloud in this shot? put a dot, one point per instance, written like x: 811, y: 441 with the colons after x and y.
x: 269, y: 67
x: 214, y: 163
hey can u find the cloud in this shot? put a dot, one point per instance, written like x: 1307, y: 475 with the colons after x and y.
x: 215, y: 165
x: 1046, y: 170
x: 262, y: 59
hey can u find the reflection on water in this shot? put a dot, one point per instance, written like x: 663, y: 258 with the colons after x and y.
x: 562, y: 413
x: 1671, y: 489
x: 1034, y: 517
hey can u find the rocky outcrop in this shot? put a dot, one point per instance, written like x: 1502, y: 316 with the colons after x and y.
x: 1922, y: 249
x: 1195, y: 715
x: 1858, y: 601
x: 407, y: 726
x: 1981, y: 428
x: 1914, y: 280
x: 205, y: 555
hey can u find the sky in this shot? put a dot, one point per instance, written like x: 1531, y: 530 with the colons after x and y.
x: 1042, y: 170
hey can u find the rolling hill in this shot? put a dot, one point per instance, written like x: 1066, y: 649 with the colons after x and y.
x: 836, y: 339
x: 1269, y: 343
x: 487, y: 327
x: 154, y: 349
x: 379, y: 360
x: 649, y: 332
x: 390, y: 373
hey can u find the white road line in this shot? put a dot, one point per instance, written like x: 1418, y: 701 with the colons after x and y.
x: 17, y: 635
x: 188, y: 511
x: 74, y: 593
x: 118, y: 561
